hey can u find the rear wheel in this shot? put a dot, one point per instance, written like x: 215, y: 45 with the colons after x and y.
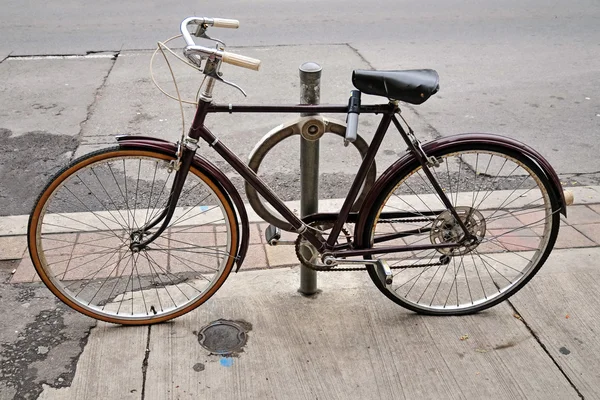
x: 503, y: 199
x: 86, y: 219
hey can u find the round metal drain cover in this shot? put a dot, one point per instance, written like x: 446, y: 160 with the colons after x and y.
x: 223, y: 337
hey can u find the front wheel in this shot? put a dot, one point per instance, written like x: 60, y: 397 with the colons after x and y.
x: 505, y: 201
x: 82, y: 228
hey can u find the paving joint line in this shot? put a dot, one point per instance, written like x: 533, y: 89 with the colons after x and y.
x: 91, y: 53
x: 582, y: 233
x: 91, y: 107
x: 87, y: 54
x: 581, y: 173
x: 355, y: 50
x: 518, y: 315
x: 145, y: 363
x: 5, y: 58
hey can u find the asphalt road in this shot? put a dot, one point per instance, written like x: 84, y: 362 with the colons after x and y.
x: 70, y: 27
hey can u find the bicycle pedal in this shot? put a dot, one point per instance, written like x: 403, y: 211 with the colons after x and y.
x: 272, y: 235
x: 384, y: 273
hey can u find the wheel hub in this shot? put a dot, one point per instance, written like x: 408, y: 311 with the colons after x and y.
x: 446, y: 229
x: 135, y: 240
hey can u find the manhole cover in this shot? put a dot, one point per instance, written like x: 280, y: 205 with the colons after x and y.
x: 223, y: 337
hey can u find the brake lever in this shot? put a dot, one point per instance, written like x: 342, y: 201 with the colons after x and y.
x: 201, y: 33
x: 217, y: 77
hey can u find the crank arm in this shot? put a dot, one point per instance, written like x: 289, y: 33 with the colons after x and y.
x: 384, y: 272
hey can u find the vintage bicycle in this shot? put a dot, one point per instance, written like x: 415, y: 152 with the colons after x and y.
x: 148, y: 230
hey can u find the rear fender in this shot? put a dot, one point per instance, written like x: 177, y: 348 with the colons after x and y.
x: 446, y: 142
x: 209, y: 170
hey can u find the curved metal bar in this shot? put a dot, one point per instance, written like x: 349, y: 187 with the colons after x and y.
x: 282, y: 132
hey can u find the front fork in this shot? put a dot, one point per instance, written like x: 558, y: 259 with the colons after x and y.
x: 415, y: 148
x: 182, y: 167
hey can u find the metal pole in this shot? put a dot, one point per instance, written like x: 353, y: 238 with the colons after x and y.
x: 310, y: 93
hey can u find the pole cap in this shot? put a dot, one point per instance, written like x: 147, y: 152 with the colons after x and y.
x: 310, y: 68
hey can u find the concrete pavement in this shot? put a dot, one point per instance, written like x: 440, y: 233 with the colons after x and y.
x: 348, y: 341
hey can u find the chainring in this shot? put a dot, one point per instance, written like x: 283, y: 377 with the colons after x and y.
x: 307, y: 254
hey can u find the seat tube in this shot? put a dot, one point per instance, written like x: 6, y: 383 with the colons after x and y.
x: 362, y: 173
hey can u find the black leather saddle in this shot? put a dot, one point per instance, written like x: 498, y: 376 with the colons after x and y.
x: 412, y: 86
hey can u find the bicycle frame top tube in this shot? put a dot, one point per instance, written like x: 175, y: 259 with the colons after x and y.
x: 297, y: 108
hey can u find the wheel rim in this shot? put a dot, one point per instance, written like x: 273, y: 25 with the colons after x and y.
x: 508, y: 202
x: 94, y: 212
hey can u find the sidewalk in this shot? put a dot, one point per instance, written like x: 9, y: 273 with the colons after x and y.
x: 347, y: 342
x: 350, y: 342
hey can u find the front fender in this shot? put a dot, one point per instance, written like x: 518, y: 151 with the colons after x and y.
x: 446, y: 142
x: 212, y: 172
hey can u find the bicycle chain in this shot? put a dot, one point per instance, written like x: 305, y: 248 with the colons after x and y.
x: 335, y: 269
x: 388, y: 221
x: 347, y: 234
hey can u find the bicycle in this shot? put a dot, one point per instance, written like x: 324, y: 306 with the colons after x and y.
x: 148, y: 230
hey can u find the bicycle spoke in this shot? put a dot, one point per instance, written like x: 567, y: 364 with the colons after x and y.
x: 169, y: 274
x: 99, y: 201
x: 480, y: 187
x: 92, y: 276
x: 137, y: 272
x: 152, y: 263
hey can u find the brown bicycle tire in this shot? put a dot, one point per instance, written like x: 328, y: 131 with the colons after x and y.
x: 36, y: 252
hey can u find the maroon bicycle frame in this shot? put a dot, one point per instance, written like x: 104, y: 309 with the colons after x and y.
x: 199, y: 131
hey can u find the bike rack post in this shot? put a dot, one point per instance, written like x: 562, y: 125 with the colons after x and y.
x: 310, y: 93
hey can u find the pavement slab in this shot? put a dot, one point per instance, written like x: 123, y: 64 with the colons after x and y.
x: 27, y: 106
x: 114, y: 353
x: 130, y: 104
x: 560, y: 307
x: 40, y: 338
x: 503, y: 86
x: 12, y: 247
x: 539, y: 344
x: 43, y: 104
x: 347, y: 342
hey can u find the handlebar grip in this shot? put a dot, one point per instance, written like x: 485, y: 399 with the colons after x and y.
x: 241, y: 61
x: 226, y: 23
x: 351, y: 127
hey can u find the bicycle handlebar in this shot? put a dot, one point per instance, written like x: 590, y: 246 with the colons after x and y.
x: 216, y: 22
x: 226, y: 57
